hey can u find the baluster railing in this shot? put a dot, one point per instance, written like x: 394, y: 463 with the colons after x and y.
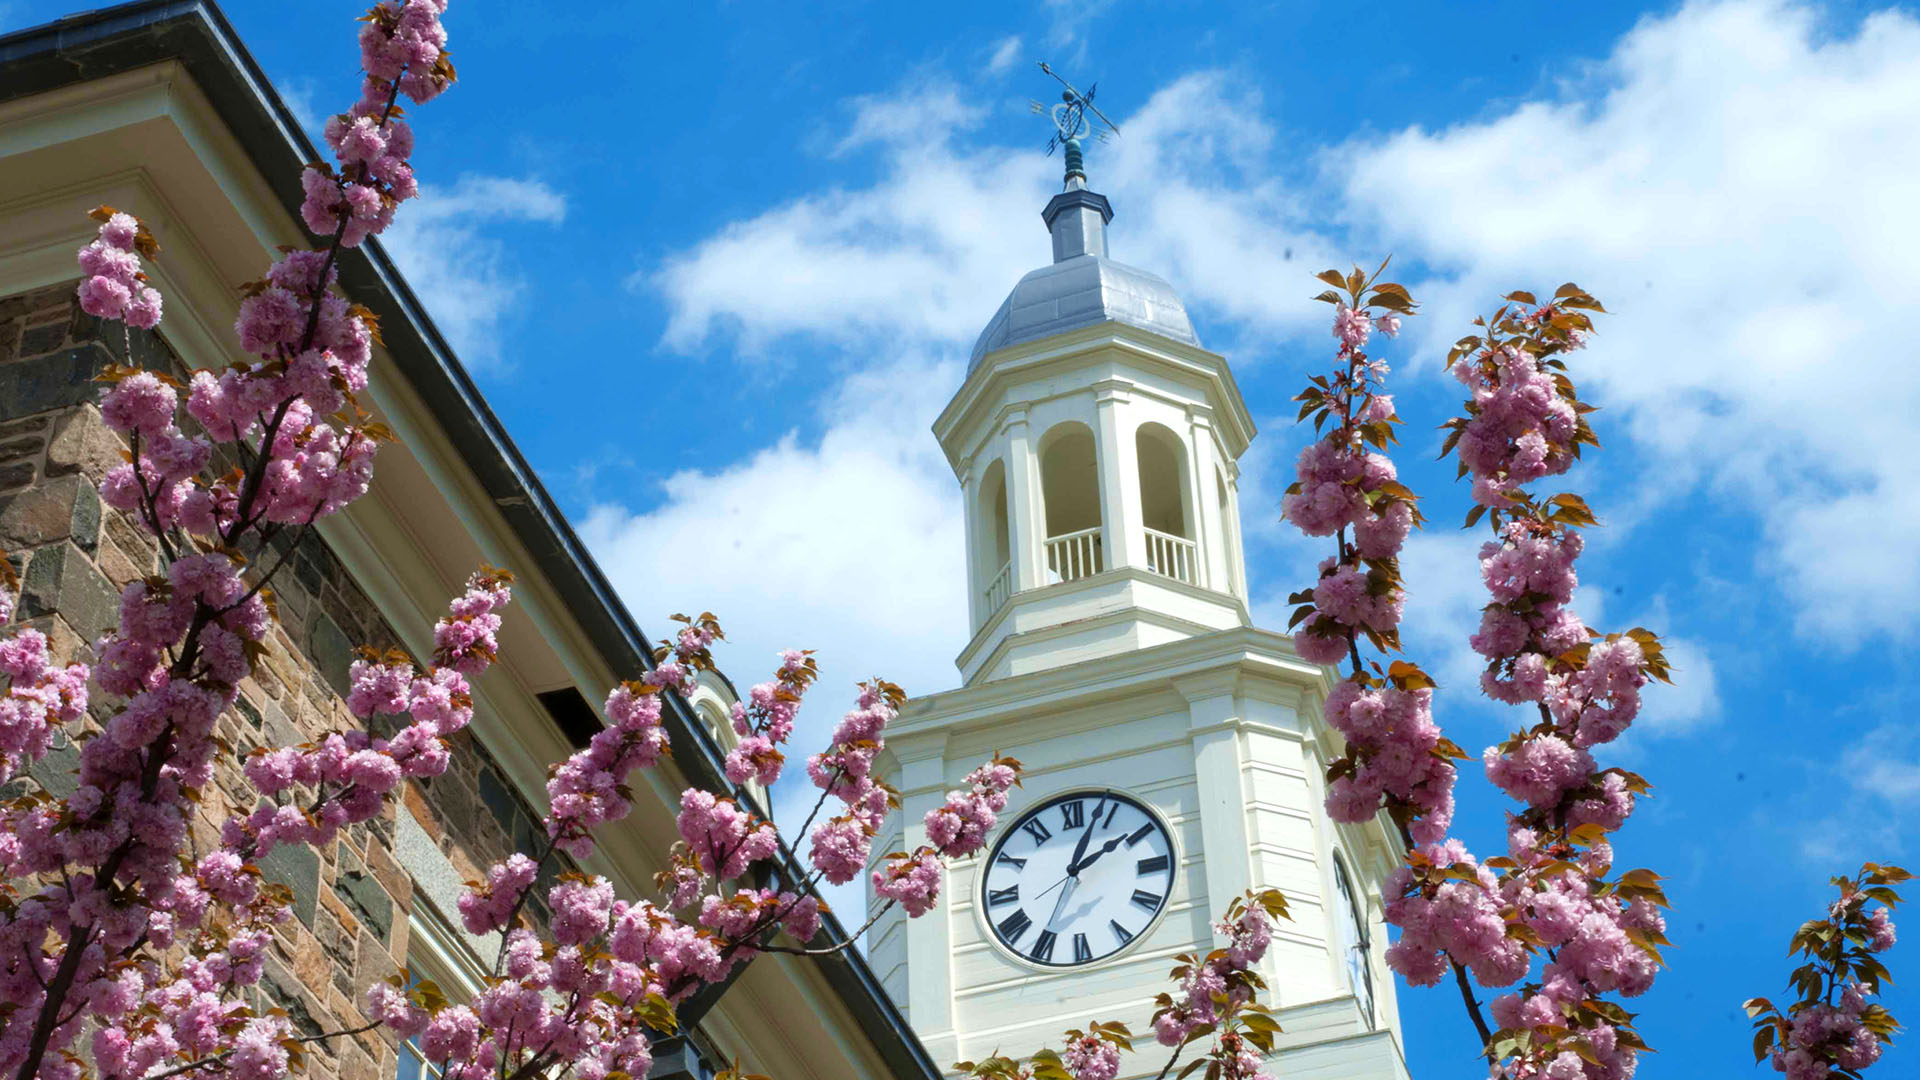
x: 1173, y: 556
x: 1000, y: 588
x: 1074, y: 556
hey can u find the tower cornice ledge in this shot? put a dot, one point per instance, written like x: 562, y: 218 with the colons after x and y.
x: 1261, y: 656
x: 998, y: 371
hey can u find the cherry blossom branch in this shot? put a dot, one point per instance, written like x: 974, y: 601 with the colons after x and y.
x: 223, y: 1055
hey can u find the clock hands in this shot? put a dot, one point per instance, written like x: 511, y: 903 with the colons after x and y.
x: 1079, y: 864
x: 1093, y: 822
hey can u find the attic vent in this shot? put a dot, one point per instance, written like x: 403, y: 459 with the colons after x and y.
x: 572, y: 715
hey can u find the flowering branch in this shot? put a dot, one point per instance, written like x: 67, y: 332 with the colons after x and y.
x: 1833, y: 1029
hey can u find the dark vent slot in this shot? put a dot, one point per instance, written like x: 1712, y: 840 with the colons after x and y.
x: 576, y: 719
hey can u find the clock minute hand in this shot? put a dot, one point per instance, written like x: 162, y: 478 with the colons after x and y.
x: 1085, y: 835
x: 1081, y: 864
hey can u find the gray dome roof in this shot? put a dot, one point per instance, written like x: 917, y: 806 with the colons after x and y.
x: 1084, y: 290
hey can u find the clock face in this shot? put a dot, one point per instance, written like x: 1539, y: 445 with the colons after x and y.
x: 1076, y: 878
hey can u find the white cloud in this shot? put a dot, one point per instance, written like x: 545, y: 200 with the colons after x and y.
x: 924, y: 255
x: 297, y: 94
x: 1881, y: 790
x: 1006, y: 53
x: 1734, y: 180
x: 1885, y: 763
x: 851, y: 544
x: 928, y: 251
x: 445, y: 245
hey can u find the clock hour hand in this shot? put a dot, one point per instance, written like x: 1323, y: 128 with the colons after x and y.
x: 1078, y: 865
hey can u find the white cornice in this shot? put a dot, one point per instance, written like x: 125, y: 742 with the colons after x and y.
x: 1066, y: 351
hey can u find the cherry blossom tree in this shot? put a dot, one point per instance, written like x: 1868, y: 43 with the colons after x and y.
x: 125, y: 953
x: 110, y: 924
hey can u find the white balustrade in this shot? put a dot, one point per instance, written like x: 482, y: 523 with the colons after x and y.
x: 1001, y: 587
x: 1074, y: 556
x: 1173, y: 556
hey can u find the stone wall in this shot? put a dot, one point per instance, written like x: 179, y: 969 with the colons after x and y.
x: 353, y: 898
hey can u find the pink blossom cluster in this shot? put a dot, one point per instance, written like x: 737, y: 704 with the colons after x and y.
x: 765, y: 720
x: 958, y: 827
x: 1091, y: 1057
x: 578, y: 999
x: 352, y: 773
x: 40, y: 696
x: 1395, y: 751
x: 1447, y: 905
x: 1217, y: 985
x: 955, y: 829
x: 841, y: 844
x: 402, y: 51
x: 1824, y: 1037
x: 115, y: 287
x: 1520, y: 427
x: 1600, y: 940
x: 723, y: 838
x: 1395, y: 754
x: 1346, y: 490
x: 1836, y: 1028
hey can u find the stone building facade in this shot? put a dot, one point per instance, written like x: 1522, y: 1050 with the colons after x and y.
x: 156, y: 108
x: 352, y: 900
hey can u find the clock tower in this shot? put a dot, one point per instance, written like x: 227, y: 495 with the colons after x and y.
x: 1174, y: 752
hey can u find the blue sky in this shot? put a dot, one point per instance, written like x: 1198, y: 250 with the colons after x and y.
x: 718, y: 267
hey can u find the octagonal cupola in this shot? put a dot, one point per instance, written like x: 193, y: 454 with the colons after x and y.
x: 1095, y: 441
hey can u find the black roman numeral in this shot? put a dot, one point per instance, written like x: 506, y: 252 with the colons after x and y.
x: 1112, y: 810
x: 1014, y: 925
x: 1082, y: 952
x: 996, y: 897
x: 1073, y: 814
x: 1043, y: 947
x: 1140, y: 834
x: 1153, y: 865
x: 1119, y: 932
x: 1038, y: 830
x: 1143, y: 898
x: 1017, y: 864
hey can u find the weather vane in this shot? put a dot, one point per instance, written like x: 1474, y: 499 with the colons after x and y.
x: 1071, y: 123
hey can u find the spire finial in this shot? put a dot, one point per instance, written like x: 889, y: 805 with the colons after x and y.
x: 1071, y: 126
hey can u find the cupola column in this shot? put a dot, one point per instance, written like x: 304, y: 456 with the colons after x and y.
x: 1217, y: 547
x: 1120, y: 510
x: 1026, y: 518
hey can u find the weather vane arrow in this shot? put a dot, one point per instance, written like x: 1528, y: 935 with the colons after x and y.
x: 1071, y: 123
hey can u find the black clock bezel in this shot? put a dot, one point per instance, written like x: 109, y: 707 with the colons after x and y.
x: 992, y: 932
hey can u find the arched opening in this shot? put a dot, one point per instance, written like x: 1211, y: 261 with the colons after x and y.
x: 1162, y: 460
x: 996, y: 546
x: 1230, y: 534
x: 1070, y: 487
x: 1356, y: 950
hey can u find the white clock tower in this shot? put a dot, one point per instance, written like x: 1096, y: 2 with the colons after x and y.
x: 1174, y: 751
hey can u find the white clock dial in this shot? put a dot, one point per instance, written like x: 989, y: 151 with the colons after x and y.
x: 1077, y: 878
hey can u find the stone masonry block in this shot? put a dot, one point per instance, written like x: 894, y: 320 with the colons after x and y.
x: 59, y: 578
x: 82, y: 442
x: 54, y: 381
x: 59, y: 509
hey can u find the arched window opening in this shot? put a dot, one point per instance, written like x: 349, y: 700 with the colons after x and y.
x: 996, y: 547
x: 1161, y: 458
x: 1355, y: 948
x: 1070, y: 486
